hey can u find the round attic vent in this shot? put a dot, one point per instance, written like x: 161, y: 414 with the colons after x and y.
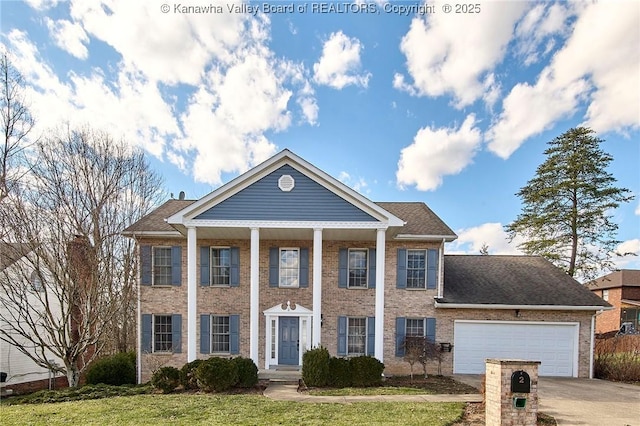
x: 286, y: 183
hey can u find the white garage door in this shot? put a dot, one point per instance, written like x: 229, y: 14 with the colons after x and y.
x: 555, y: 345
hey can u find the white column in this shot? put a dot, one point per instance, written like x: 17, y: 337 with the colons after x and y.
x: 254, y: 319
x: 380, y: 257
x: 317, y: 287
x: 192, y: 289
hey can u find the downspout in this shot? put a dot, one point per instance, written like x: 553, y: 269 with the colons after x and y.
x: 441, y: 271
x: 592, y: 343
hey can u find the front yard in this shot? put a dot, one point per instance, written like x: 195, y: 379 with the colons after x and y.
x: 211, y: 409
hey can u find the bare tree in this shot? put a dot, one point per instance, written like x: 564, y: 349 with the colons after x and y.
x: 17, y: 122
x: 84, y: 188
x: 420, y: 349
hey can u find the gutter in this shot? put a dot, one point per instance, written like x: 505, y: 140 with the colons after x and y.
x: 521, y: 307
x: 447, y: 238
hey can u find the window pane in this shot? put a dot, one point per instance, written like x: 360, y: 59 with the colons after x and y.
x: 357, y: 268
x: 162, y: 341
x: 415, y: 327
x: 289, y: 271
x: 416, y: 268
x: 356, y: 336
x: 162, y: 265
x: 220, y: 266
x: 220, y: 334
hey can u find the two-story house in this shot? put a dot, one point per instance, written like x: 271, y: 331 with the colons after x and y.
x: 285, y: 258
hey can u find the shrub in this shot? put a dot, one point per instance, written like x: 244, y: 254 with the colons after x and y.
x: 118, y: 369
x: 247, y: 372
x: 366, y: 371
x: 217, y: 374
x: 618, y: 358
x: 166, y: 379
x: 339, y: 373
x: 188, y: 378
x: 315, y: 367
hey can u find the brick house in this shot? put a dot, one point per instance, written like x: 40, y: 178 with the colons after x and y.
x: 285, y: 258
x: 621, y: 289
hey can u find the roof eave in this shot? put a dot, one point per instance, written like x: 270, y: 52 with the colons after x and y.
x: 521, y: 307
x: 154, y: 234
x: 423, y: 237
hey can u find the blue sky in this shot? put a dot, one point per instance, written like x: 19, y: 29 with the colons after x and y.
x: 453, y: 109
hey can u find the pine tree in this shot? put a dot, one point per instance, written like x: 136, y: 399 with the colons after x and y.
x: 567, y: 206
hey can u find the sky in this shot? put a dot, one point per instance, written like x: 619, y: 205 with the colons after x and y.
x: 447, y: 103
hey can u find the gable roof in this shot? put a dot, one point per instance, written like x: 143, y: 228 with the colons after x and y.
x: 283, y: 158
x: 619, y: 278
x: 510, y: 282
x: 155, y: 221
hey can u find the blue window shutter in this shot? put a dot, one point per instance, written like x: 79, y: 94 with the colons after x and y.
x: 431, y: 329
x: 147, y: 333
x: 342, y: 336
x: 145, y: 265
x: 176, y: 265
x: 205, y: 334
x: 176, y: 333
x: 432, y: 268
x: 372, y: 268
x: 343, y: 265
x: 400, y: 330
x: 401, y: 276
x: 304, y: 267
x: 234, y: 334
x: 274, y: 267
x: 205, y: 268
x: 371, y: 336
x: 234, y: 279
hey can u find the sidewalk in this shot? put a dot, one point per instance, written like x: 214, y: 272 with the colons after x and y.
x: 289, y: 392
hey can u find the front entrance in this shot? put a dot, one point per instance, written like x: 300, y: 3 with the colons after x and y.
x: 289, y: 344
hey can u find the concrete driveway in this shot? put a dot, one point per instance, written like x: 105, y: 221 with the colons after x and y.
x: 583, y: 401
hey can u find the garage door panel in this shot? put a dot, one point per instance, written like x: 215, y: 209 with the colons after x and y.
x: 552, y: 344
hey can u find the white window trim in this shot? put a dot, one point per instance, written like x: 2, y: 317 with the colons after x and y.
x: 366, y: 333
x: 424, y: 326
x: 605, y: 295
x: 153, y: 265
x: 426, y: 268
x: 211, y: 284
x: 211, y: 351
x: 366, y: 286
x: 153, y: 333
x: 281, y: 249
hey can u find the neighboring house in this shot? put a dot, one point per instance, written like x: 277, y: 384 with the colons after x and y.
x: 22, y: 372
x: 622, y: 290
x: 285, y: 258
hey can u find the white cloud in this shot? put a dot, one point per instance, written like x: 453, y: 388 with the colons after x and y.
x: 69, y: 36
x: 360, y: 185
x: 597, y: 65
x: 452, y: 53
x: 436, y: 152
x: 637, y: 211
x: 471, y: 240
x: 42, y: 4
x: 628, y: 254
x: 339, y: 65
x: 538, y: 27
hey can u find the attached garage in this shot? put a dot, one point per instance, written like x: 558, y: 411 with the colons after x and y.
x: 554, y: 344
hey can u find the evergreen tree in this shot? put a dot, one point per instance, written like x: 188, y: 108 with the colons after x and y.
x: 567, y: 206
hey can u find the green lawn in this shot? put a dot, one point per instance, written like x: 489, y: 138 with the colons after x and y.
x: 390, y: 390
x: 188, y: 409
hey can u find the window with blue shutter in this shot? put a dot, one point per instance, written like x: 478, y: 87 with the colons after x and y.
x: 371, y: 336
x: 372, y: 268
x: 417, y: 269
x: 205, y: 334
x: 401, y: 269
x: 176, y: 265
x: 234, y: 334
x: 342, y: 336
x: 432, y: 268
x: 274, y: 266
x: 343, y: 268
x: 400, y: 333
x: 147, y: 333
x: 304, y: 267
x: 234, y: 279
x: 176, y: 330
x: 205, y: 278
x: 430, y: 329
x: 145, y: 265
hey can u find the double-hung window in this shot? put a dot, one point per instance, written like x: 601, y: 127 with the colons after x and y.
x: 161, y: 265
x: 356, y: 336
x: 220, y: 334
x: 358, y: 268
x: 289, y: 267
x: 415, y: 327
x: 416, y: 268
x: 220, y: 265
x: 162, y: 333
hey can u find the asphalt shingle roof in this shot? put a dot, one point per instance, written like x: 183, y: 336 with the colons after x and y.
x: 155, y: 221
x: 620, y: 278
x: 511, y: 280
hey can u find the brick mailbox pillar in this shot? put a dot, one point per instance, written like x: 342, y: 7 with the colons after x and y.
x: 511, y: 396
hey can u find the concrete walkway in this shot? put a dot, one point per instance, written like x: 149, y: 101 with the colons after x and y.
x: 289, y: 392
